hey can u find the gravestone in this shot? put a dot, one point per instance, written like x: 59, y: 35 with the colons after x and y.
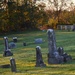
x: 13, y: 65
x: 56, y: 56
x: 12, y: 45
x: 67, y: 57
x: 39, y: 60
x: 38, y: 41
x: 53, y: 55
x: 7, y: 51
x: 24, y: 44
x: 15, y: 39
x: 60, y: 50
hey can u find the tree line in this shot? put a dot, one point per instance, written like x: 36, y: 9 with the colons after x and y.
x: 27, y: 15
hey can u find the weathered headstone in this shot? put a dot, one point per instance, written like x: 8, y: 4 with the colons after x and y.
x: 13, y: 65
x: 56, y: 56
x: 12, y: 45
x: 15, y: 39
x: 39, y: 60
x: 66, y: 56
x: 7, y: 51
x: 53, y: 55
x: 60, y: 51
x: 24, y: 44
x: 38, y: 41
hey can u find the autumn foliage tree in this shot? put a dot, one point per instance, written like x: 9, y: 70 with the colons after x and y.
x: 22, y: 16
x: 59, y: 12
x: 26, y: 14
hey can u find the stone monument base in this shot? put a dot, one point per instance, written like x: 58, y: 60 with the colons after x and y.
x: 67, y: 57
x: 55, y: 60
x: 7, y: 53
x: 59, y: 59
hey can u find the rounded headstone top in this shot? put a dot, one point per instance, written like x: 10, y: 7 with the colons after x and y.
x: 38, y: 47
x: 14, y: 37
x: 50, y: 30
x: 5, y: 37
x: 61, y: 48
x: 11, y: 58
x: 12, y: 45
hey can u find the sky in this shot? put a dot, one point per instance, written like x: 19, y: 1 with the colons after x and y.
x: 73, y: 1
x: 48, y: 5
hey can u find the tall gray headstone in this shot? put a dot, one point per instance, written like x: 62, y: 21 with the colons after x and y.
x: 13, y: 65
x: 39, y: 60
x: 7, y: 51
x: 53, y: 55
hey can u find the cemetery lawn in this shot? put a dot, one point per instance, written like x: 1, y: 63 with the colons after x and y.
x: 25, y: 56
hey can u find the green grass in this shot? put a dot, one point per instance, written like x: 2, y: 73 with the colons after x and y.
x: 25, y: 56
